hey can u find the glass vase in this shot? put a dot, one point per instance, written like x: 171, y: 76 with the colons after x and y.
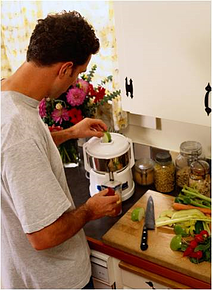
x: 69, y: 153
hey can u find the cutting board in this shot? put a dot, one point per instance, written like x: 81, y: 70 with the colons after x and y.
x: 126, y: 235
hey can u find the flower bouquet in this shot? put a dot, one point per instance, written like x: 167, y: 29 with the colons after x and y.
x: 81, y: 100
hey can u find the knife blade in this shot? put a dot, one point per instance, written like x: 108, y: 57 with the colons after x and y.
x: 149, y: 223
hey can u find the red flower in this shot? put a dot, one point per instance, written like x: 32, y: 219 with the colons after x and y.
x: 54, y: 128
x: 91, y: 91
x: 75, y: 115
x: 99, y: 94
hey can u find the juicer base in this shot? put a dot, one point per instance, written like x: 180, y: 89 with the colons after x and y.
x: 129, y: 193
x: 126, y: 194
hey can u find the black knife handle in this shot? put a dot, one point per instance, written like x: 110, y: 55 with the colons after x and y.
x: 144, y: 245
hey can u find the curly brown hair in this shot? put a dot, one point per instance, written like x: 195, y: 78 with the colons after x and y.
x: 64, y: 36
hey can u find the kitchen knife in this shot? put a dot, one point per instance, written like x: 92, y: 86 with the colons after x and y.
x: 149, y: 223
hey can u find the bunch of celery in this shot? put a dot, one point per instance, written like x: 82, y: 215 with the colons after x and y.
x: 185, y: 218
x: 191, y: 196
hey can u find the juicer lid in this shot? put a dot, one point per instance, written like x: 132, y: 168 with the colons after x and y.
x: 118, y: 146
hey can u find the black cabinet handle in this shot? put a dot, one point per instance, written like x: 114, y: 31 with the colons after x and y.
x: 207, y: 109
x: 129, y: 87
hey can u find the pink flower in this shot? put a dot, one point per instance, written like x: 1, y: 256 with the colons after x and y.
x: 83, y: 85
x: 59, y: 115
x: 75, y: 96
x: 42, y: 108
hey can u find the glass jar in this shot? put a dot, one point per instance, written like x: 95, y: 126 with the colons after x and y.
x: 144, y: 171
x: 199, y: 178
x: 189, y: 151
x: 164, y: 172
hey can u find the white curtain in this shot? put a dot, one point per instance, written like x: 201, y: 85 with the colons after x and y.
x: 18, y: 19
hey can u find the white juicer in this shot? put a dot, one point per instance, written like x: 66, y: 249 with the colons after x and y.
x: 110, y: 161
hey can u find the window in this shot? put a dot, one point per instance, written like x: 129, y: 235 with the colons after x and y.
x: 20, y: 17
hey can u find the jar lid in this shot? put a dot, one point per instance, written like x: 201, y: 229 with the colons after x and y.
x: 144, y: 164
x: 191, y: 148
x: 119, y: 145
x: 199, y: 167
x: 163, y: 157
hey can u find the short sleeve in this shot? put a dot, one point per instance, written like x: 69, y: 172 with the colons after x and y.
x: 37, y: 195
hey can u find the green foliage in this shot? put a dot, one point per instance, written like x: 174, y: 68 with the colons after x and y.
x: 109, y: 97
x: 88, y: 77
x: 191, y: 196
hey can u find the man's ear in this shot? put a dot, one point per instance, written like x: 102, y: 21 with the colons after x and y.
x: 65, y: 69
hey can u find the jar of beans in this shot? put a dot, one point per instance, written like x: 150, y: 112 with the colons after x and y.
x: 189, y: 151
x: 200, y: 178
x: 164, y: 172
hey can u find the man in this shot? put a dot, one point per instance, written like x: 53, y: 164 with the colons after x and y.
x: 43, y: 243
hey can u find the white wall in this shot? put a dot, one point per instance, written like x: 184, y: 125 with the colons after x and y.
x: 170, y: 134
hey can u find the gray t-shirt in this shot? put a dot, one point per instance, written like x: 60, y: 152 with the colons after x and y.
x: 35, y: 194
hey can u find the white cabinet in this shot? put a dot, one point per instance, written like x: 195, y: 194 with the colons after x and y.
x: 102, y: 270
x: 111, y: 273
x: 105, y: 271
x: 164, y: 47
x: 138, y: 278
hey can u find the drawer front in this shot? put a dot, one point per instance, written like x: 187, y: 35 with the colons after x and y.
x: 98, y: 284
x: 100, y: 272
x: 133, y: 281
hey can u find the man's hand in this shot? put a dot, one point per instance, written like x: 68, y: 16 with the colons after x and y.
x: 67, y: 225
x: 102, y: 205
x: 88, y: 127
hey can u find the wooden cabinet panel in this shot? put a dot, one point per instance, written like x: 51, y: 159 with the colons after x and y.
x: 164, y: 47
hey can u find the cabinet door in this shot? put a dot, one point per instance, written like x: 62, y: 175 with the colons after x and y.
x: 137, y: 278
x: 164, y: 48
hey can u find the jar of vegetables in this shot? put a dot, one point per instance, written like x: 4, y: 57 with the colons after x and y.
x: 144, y: 171
x: 189, y: 152
x: 199, y: 178
x: 164, y: 172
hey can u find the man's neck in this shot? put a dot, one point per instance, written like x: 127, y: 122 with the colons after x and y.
x: 30, y: 80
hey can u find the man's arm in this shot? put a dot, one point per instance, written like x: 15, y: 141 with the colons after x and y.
x: 71, y: 222
x: 88, y: 127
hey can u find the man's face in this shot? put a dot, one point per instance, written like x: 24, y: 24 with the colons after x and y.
x: 72, y: 77
x: 69, y: 78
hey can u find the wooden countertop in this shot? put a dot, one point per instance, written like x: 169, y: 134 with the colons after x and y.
x: 125, y: 235
x: 141, y: 263
x: 94, y: 230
